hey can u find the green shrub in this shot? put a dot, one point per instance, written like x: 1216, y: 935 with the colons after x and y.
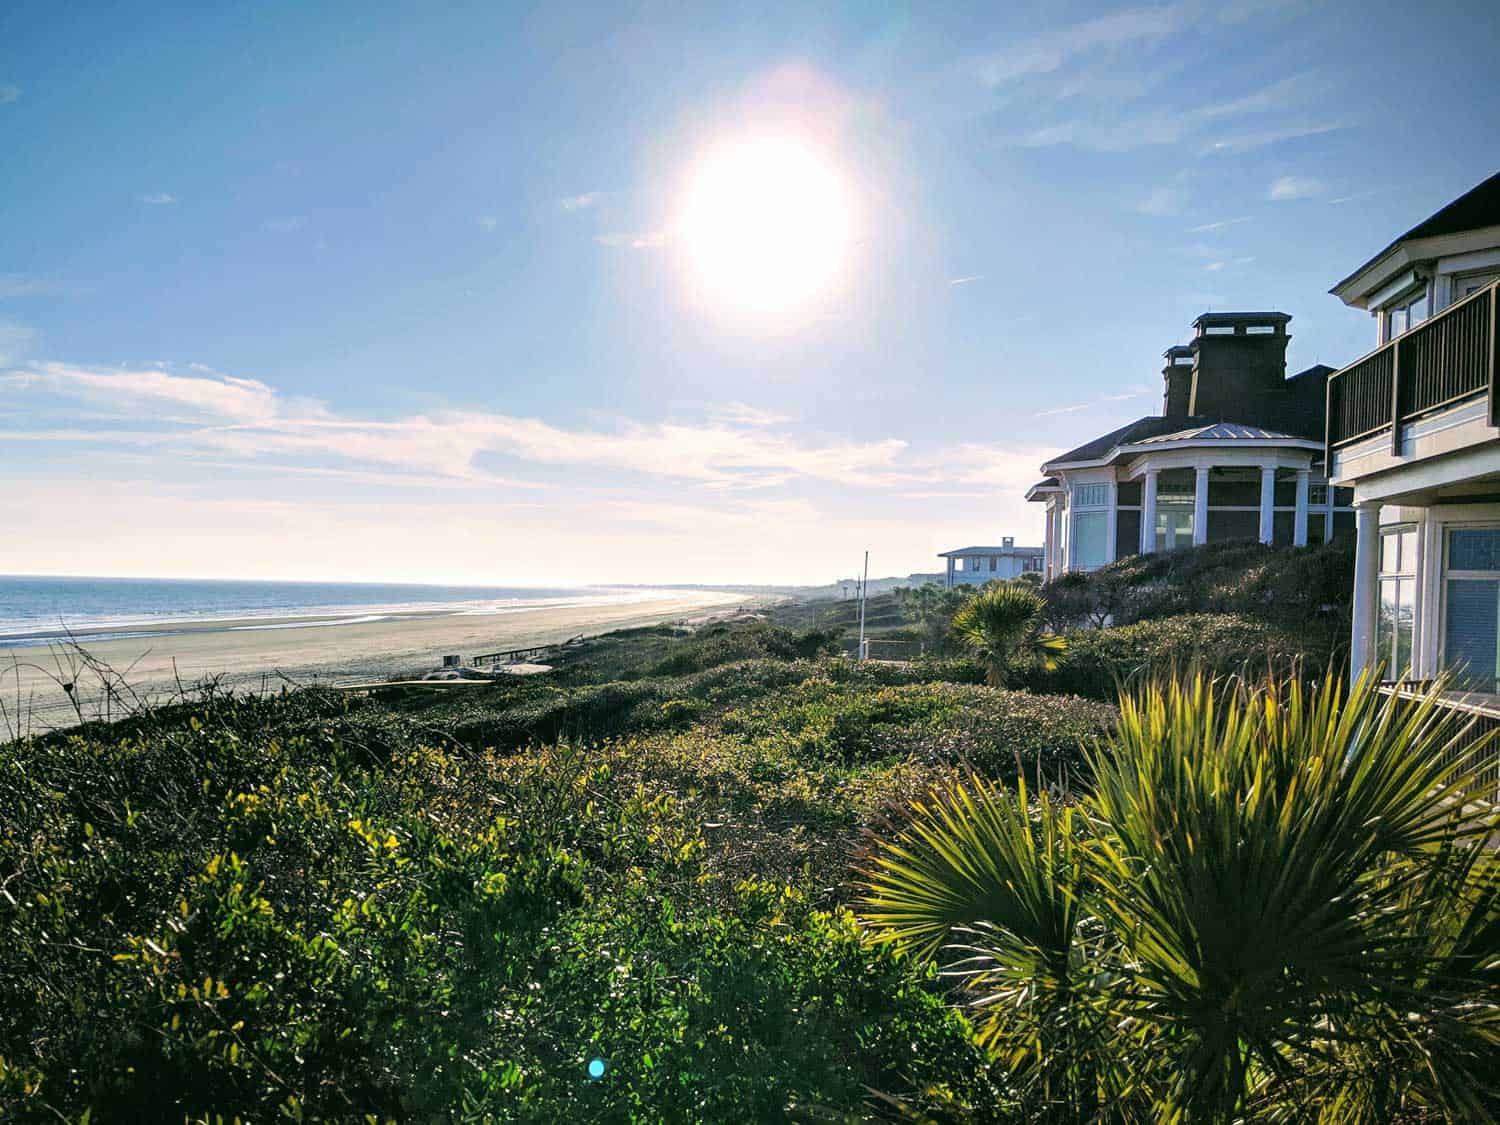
x: 240, y: 912
x: 1100, y: 660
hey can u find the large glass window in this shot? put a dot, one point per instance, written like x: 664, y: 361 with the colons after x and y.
x: 1398, y: 611
x: 1090, y: 532
x: 1471, y: 606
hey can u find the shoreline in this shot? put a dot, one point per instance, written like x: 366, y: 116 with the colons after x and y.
x: 297, y: 651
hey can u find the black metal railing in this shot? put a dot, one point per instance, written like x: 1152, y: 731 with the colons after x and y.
x: 1446, y: 359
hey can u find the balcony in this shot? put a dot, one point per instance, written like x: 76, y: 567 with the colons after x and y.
x: 1446, y: 360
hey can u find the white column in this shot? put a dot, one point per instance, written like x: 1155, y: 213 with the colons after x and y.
x: 1200, y: 507
x: 1148, y: 512
x: 1299, y: 522
x: 1059, y: 556
x: 1111, y: 521
x: 1267, y: 503
x: 1366, y: 588
x: 1328, y: 515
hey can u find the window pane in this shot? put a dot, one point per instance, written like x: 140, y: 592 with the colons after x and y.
x: 1470, y: 621
x: 1418, y: 311
x: 1174, y: 527
x: 1474, y: 549
x: 1390, y: 553
x: 1089, y: 531
x: 1409, y: 551
x: 1406, y: 612
x: 1385, y: 627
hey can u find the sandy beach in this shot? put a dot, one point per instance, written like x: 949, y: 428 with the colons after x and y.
x: 249, y: 655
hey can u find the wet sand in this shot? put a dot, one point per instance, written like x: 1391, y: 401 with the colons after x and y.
x: 261, y: 658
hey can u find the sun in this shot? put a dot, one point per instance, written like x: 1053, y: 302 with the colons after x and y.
x: 765, y: 225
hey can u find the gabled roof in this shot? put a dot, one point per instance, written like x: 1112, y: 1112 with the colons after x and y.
x: 1476, y: 209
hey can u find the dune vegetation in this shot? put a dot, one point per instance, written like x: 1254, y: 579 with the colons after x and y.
x: 727, y: 874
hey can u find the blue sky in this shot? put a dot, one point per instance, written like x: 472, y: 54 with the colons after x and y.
x: 381, y: 291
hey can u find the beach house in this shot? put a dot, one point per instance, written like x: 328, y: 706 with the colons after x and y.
x: 974, y: 566
x: 1236, y: 453
x: 1412, y: 428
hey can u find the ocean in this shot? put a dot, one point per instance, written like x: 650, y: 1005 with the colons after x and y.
x: 35, y: 611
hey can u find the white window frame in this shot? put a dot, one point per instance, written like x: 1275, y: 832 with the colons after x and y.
x: 1444, y: 575
x: 1084, y: 495
x: 1403, y: 303
x: 1407, y: 577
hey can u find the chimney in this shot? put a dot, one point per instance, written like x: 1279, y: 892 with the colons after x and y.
x: 1239, y: 366
x: 1177, y: 381
x: 1008, y: 542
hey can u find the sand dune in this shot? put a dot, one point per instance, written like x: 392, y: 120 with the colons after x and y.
x: 325, y: 652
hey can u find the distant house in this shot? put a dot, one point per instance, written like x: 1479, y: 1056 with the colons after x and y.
x: 1236, y: 453
x: 977, y: 565
x: 1414, y: 428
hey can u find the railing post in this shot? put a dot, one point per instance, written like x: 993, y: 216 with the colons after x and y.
x: 1328, y: 426
x: 1494, y: 300
x: 1396, y: 397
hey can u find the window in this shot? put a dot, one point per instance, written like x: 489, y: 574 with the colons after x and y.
x: 1466, y: 285
x: 1090, y: 495
x: 1174, y: 526
x: 1471, y: 606
x: 1317, y: 495
x: 1090, y: 530
x: 993, y: 562
x: 1398, y: 611
x: 1405, y: 314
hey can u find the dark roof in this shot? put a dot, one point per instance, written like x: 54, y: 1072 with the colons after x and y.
x: 1316, y: 369
x: 1142, y: 428
x: 1478, y: 207
x: 1045, y: 482
x: 1236, y: 317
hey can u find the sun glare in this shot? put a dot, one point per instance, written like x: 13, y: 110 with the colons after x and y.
x: 765, y: 225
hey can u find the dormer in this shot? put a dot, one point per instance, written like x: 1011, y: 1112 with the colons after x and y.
x: 1448, y: 256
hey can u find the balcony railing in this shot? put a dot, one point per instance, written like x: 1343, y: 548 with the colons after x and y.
x: 1446, y: 359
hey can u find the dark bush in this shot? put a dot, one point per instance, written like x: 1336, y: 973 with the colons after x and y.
x: 1098, y: 661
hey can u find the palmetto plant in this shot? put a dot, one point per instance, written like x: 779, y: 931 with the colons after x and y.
x: 1004, y: 624
x: 1277, y: 903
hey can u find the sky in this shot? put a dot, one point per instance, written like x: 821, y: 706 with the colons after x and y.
x: 658, y: 292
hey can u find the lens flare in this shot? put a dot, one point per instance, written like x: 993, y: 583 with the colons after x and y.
x: 765, y: 224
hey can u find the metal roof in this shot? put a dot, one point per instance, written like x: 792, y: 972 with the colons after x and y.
x: 1222, y: 431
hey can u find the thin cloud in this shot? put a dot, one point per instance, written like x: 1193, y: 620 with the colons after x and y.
x: 1111, y: 127
x: 285, y: 225
x: 159, y: 199
x: 580, y: 202
x: 1076, y: 407
x: 742, y: 413
x: 648, y: 240
x: 9, y: 92
x: 965, y: 280
x: 26, y: 285
x: 1351, y: 198
x: 488, y: 222
x: 1048, y: 52
x: 1169, y: 199
x: 1296, y: 187
x: 1246, y: 142
x: 1220, y: 225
